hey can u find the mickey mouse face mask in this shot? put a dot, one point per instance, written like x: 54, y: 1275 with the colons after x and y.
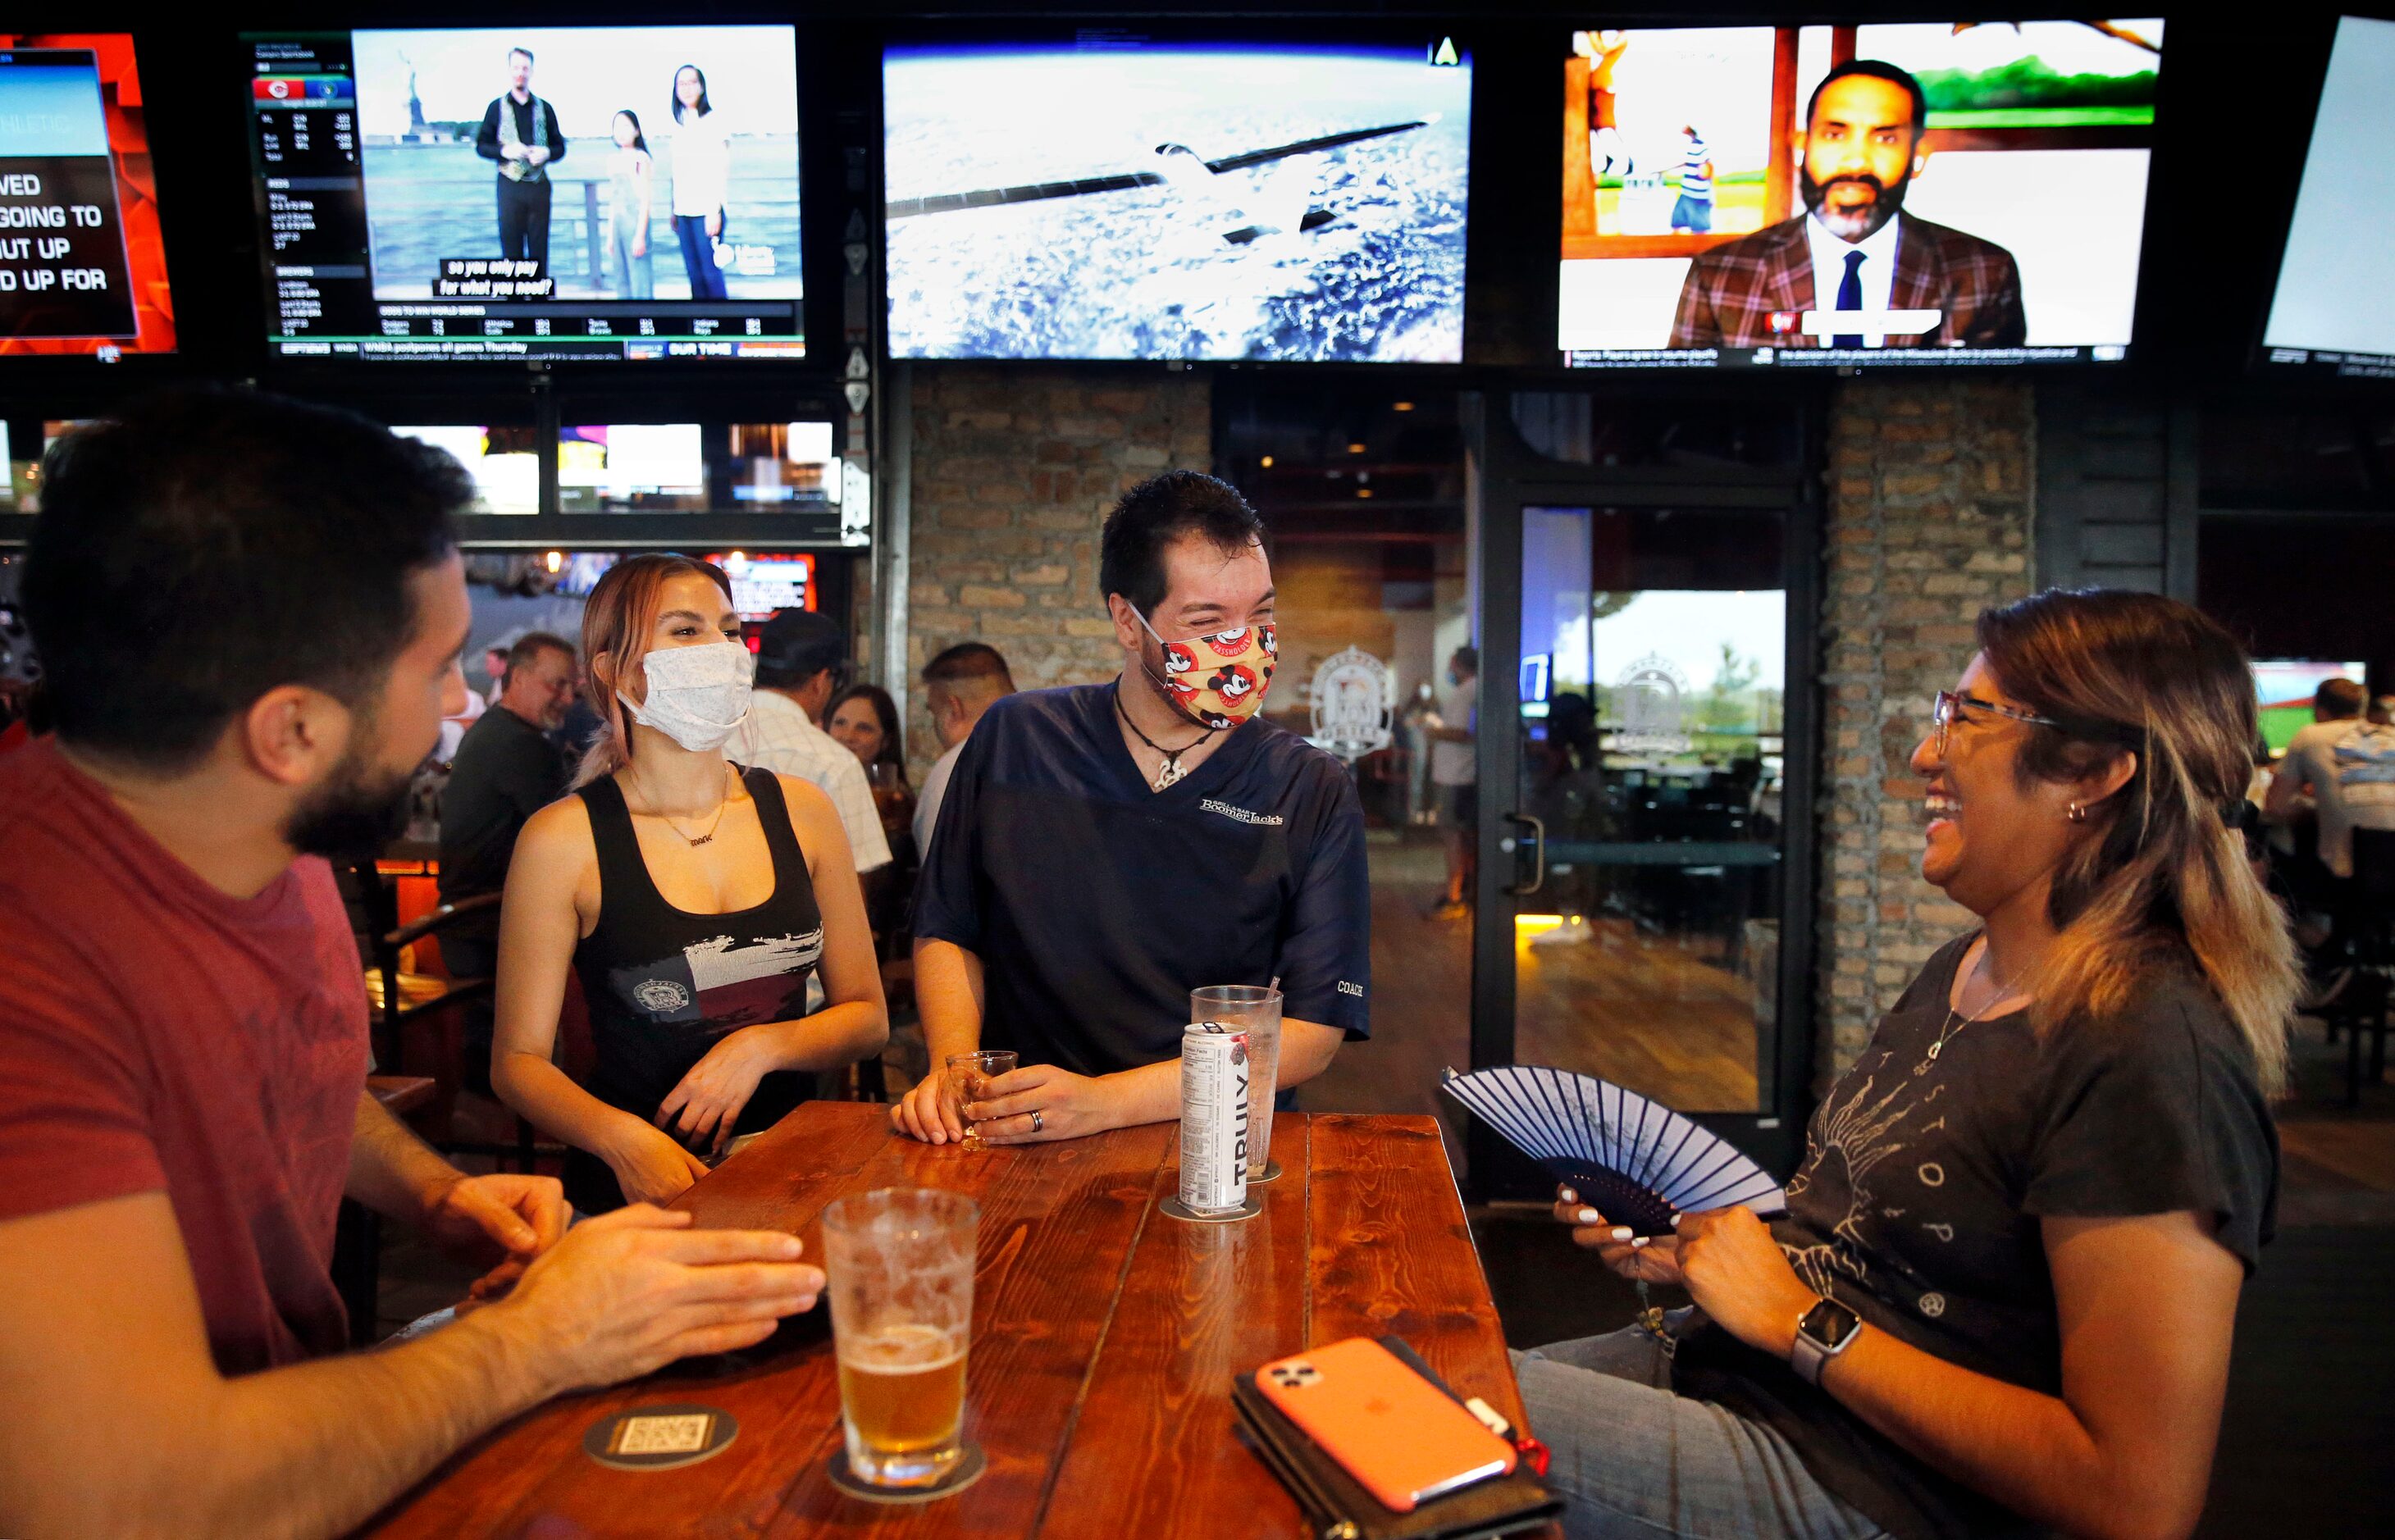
x: 1218, y: 680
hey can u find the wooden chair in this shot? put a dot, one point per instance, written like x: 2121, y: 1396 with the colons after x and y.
x: 416, y: 1026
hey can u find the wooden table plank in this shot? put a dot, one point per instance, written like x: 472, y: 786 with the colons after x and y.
x: 1393, y: 1254
x: 1106, y: 1338
x: 1154, y: 1454
x: 780, y: 1182
x: 1057, y: 1223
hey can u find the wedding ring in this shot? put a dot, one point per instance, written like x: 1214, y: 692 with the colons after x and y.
x: 1036, y: 1124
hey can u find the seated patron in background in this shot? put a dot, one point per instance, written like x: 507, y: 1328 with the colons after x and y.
x: 693, y: 898
x: 2001, y: 1300
x: 959, y: 685
x: 864, y: 720
x: 2341, y: 769
x: 800, y: 657
x: 1853, y: 249
x: 506, y: 771
x: 250, y: 613
x: 1107, y: 849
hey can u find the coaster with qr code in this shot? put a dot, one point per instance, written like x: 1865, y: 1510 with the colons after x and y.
x: 659, y: 1438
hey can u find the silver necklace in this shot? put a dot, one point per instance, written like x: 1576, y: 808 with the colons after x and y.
x: 1955, y: 1020
x: 1171, y: 770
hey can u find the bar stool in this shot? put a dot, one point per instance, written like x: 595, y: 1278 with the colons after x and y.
x: 2369, y: 918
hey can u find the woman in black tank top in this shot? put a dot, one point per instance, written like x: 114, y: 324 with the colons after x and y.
x: 694, y: 900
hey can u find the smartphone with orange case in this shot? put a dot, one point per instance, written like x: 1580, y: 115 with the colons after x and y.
x: 1397, y: 1434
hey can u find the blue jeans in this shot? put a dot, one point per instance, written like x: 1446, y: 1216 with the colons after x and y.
x: 1633, y: 1461
x: 699, y: 256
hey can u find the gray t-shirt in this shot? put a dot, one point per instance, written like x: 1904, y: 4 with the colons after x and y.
x: 1924, y: 1182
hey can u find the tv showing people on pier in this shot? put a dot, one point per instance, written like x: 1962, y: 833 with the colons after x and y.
x: 1112, y: 195
x: 1922, y: 193
x: 625, y: 193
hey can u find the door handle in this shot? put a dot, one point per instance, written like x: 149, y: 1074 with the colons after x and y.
x: 1537, y: 854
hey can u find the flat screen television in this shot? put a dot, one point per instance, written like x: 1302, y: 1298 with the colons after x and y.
x: 2283, y: 691
x: 504, y: 462
x: 1104, y: 195
x: 83, y: 265
x: 2334, y: 309
x: 765, y: 586
x: 1797, y: 196
x: 616, y: 193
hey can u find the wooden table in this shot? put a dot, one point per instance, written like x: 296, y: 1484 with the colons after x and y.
x: 1105, y: 1339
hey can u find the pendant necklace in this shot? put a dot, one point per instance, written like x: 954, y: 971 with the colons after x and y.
x: 1171, y: 770
x: 1955, y: 1020
x: 694, y: 842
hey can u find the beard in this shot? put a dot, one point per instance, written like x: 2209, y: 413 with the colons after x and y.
x: 1853, y: 224
x: 359, y: 808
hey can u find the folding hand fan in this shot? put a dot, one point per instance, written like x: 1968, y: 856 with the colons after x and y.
x: 1634, y: 1161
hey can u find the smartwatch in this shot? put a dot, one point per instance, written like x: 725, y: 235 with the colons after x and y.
x: 1822, y: 1332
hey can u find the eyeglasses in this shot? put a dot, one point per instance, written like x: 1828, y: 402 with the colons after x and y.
x: 1950, y: 706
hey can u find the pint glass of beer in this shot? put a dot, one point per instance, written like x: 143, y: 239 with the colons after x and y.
x: 901, y: 1266
x: 1254, y: 1009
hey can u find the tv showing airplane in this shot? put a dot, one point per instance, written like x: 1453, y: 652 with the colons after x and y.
x: 1150, y: 200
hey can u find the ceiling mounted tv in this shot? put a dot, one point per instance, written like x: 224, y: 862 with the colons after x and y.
x: 1796, y: 196
x: 83, y: 267
x: 1111, y: 195
x: 2334, y: 309
x: 603, y: 193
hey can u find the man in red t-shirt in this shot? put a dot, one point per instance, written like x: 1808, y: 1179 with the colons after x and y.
x: 250, y: 613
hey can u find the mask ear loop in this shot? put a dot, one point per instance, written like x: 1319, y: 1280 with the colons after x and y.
x: 1162, y: 691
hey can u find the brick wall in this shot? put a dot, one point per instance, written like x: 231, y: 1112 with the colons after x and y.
x: 1013, y: 470
x: 1929, y: 517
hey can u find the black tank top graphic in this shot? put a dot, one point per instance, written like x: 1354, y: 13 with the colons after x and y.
x: 665, y: 985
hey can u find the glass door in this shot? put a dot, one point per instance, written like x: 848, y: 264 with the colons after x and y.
x: 1645, y: 902
x: 1652, y: 699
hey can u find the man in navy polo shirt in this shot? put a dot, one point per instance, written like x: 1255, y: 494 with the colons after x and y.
x: 1104, y: 849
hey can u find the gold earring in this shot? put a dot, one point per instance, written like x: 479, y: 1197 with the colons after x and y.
x: 2077, y: 814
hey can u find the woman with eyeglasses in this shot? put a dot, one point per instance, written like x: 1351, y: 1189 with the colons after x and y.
x: 2001, y: 1297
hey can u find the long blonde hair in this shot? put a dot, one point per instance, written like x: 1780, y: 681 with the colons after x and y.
x: 2165, y: 883
x: 616, y: 621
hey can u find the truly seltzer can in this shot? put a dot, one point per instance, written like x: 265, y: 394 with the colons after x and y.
x: 1214, y: 1075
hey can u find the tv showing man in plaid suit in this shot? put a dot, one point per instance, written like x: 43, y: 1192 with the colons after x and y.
x: 1910, y: 282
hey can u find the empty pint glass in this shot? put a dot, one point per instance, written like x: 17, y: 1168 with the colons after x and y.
x: 1254, y: 1009
x: 968, y: 1075
x: 900, y: 1260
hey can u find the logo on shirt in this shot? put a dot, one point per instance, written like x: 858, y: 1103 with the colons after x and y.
x: 1240, y: 814
x: 1347, y: 988
x: 660, y: 994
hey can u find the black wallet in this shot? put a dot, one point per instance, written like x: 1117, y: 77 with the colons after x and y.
x: 1338, y: 1507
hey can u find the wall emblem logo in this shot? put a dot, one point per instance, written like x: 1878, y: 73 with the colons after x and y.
x: 1649, y: 705
x: 1355, y: 698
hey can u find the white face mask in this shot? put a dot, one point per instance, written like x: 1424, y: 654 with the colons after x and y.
x: 697, y: 695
